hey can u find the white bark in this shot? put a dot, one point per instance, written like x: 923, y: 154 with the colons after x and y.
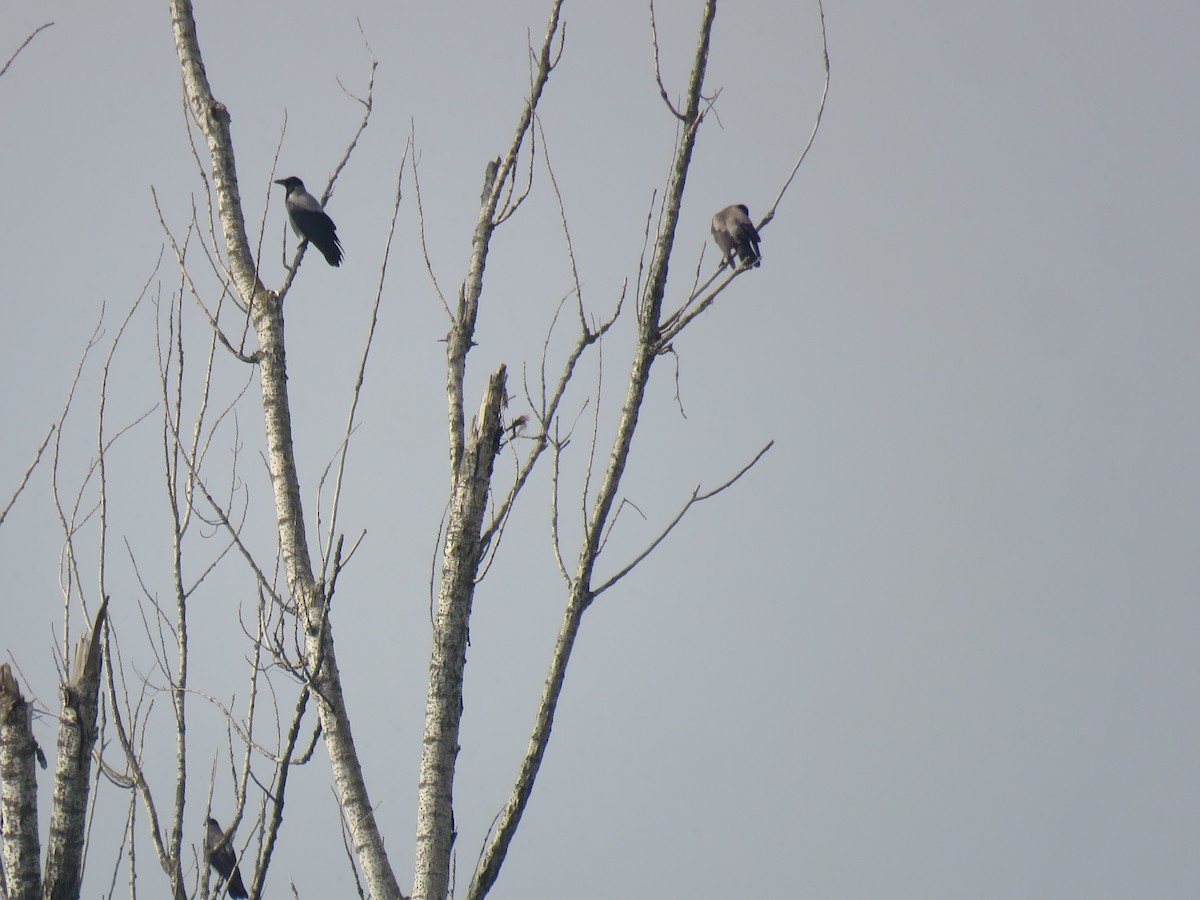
x: 443, y: 710
x: 213, y: 119
x: 73, y: 766
x: 647, y: 350
x: 18, y: 792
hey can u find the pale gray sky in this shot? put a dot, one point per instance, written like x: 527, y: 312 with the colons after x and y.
x: 939, y: 644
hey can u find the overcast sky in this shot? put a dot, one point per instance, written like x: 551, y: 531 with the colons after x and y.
x: 940, y: 643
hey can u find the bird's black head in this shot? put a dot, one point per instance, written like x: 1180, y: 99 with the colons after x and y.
x: 742, y: 206
x: 292, y: 183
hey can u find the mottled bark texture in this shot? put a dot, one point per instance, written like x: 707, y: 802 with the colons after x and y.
x: 443, y: 710
x: 73, y: 768
x: 649, y: 346
x: 471, y: 456
x: 214, y: 121
x: 18, y: 783
x: 18, y: 792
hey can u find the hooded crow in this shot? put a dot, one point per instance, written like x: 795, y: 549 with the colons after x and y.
x: 310, y: 221
x: 225, y: 860
x: 735, y: 233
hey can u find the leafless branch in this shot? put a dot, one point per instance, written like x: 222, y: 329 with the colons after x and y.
x: 24, y: 44
x: 312, y: 604
x: 362, y: 368
x: 816, y: 122
x: 696, y: 497
x: 566, y: 228
x: 367, y: 103
x: 25, y: 478
x: 548, y: 409
x: 662, y: 89
x: 698, y: 302
x: 234, y: 532
x: 421, y: 228
x: 211, y: 244
x: 581, y: 596
x: 461, y: 337
x: 180, y: 258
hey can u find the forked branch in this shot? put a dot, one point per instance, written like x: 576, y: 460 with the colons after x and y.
x: 581, y: 593
x: 310, y: 598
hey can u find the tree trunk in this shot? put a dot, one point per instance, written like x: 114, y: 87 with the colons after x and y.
x: 18, y: 792
x: 451, y: 631
x: 73, y: 768
x: 213, y: 119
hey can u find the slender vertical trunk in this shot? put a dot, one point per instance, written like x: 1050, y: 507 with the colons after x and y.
x: 448, y: 660
x: 213, y: 119
x: 18, y: 792
x: 73, y: 767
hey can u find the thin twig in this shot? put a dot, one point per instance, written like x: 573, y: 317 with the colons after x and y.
x: 24, y: 44
x: 816, y: 122
x: 696, y: 497
x: 362, y: 367
x: 416, y: 167
x: 25, y: 479
x: 662, y: 90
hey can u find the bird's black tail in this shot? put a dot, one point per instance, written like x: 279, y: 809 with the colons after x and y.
x: 332, y: 251
x: 237, y: 888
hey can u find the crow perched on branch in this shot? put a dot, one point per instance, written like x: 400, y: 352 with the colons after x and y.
x: 310, y: 221
x: 734, y: 232
x: 224, y: 860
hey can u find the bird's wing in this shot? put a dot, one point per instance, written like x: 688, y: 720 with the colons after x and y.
x: 313, y: 223
x: 318, y: 228
x: 741, y: 224
x: 722, y: 233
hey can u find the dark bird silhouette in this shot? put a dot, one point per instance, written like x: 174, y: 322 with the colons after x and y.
x: 310, y: 221
x: 224, y: 860
x: 735, y: 233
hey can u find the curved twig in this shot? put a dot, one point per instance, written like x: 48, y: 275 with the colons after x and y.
x: 816, y: 123
x: 362, y: 368
x: 24, y: 44
x: 662, y: 89
x: 696, y: 497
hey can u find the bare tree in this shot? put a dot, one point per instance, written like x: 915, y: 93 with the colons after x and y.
x: 292, y: 657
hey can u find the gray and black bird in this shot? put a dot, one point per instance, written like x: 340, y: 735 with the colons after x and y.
x: 310, y: 221
x: 735, y: 233
x: 224, y: 860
